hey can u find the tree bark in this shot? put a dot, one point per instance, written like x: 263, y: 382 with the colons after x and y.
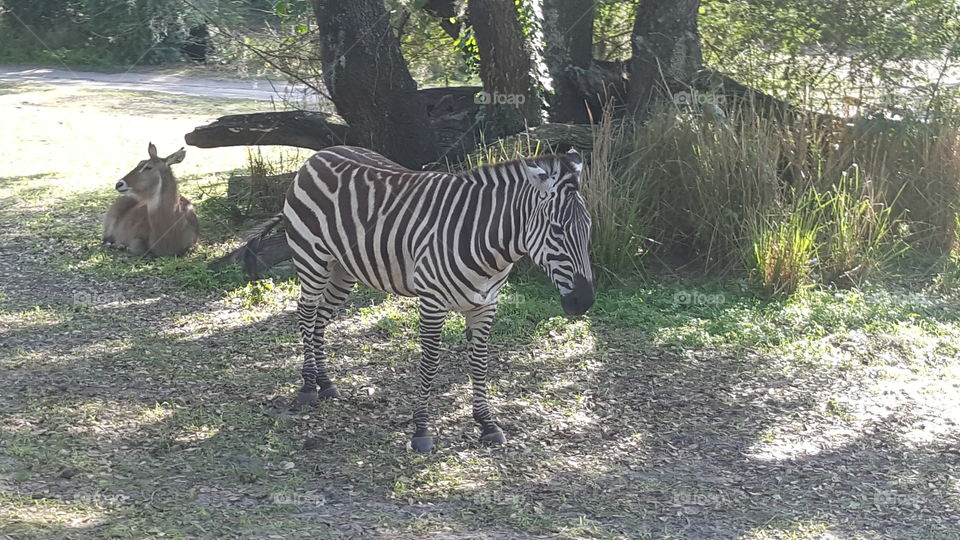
x: 506, y: 67
x: 666, y: 46
x: 369, y: 82
x: 445, y: 10
x: 568, y: 53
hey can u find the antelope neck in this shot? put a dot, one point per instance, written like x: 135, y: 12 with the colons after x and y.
x: 166, y: 197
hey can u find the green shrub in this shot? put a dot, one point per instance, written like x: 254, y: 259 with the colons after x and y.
x: 791, y: 201
x: 786, y: 246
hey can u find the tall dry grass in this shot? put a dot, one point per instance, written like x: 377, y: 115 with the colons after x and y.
x: 702, y: 180
x: 789, y: 199
x: 914, y: 168
x: 616, y: 204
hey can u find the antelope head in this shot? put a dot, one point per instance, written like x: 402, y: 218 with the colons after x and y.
x: 146, y: 179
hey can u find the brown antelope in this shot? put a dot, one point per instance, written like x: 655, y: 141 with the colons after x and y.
x: 152, y: 217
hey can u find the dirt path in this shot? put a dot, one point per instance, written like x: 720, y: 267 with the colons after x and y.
x: 252, y: 89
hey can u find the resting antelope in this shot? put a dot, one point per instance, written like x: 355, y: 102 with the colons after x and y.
x: 152, y: 217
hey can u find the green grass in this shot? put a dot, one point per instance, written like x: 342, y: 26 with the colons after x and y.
x: 81, y: 251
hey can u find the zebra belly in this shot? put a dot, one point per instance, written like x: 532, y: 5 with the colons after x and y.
x: 404, y: 273
x: 361, y: 252
x: 369, y: 266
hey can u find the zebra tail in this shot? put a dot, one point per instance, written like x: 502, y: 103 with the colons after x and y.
x: 264, y: 249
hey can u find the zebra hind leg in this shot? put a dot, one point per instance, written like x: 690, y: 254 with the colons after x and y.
x: 335, y: 293
x: 431, y: 325
x: 311, y: 289
x: 478, y: 324
x: 319, y: 299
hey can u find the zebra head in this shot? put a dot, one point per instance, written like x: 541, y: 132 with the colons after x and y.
x: 558, y: 233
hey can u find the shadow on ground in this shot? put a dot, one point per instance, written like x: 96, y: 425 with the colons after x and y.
x: 153, y: 413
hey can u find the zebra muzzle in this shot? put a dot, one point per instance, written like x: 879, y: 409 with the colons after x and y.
x: 579, y: 300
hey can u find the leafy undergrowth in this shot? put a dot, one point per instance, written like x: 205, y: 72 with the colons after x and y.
x: 139, y: 395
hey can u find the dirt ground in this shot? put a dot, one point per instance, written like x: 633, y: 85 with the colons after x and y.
x: 137, y: 402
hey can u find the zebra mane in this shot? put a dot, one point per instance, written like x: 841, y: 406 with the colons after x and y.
x: 564, y: 160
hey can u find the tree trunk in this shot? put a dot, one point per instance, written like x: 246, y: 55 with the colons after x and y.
x: 505, y: 67
x: 666, y: 46
x: 568, y: 53
x: 369, y: 82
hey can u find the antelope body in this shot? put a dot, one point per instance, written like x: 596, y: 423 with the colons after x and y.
x: 151, y: 217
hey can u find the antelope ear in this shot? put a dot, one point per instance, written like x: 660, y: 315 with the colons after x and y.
x: 575, y: 160
x: 152, y: 150
x: 175, y: 157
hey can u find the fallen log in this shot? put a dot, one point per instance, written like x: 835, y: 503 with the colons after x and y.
x: 454, y: 114
x: 556, y: 138
x: 304, y: 129
x: 452, y: 110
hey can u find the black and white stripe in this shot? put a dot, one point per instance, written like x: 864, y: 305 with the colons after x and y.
x: 450, y: 239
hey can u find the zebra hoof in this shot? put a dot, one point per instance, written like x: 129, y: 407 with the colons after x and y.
x: 304, y: 399
x: 329, y: 393
x: 493, y: 436
x: 422, y: 445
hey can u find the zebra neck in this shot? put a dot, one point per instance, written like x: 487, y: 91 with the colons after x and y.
x: 526, y: 210
x: 519, y: 200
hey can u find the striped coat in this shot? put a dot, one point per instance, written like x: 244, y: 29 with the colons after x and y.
x: 450, y: 239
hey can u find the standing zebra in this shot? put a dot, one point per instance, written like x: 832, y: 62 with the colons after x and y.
x: 450, y: 239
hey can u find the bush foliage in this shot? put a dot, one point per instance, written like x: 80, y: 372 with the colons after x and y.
x: 104, y: 31
x: 775, y: 199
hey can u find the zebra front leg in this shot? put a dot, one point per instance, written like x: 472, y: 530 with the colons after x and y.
x: 478, y: 324
x: 431, y: 325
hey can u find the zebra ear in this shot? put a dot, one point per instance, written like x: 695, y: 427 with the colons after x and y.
x: 538, y: 177
x: 575, y: 160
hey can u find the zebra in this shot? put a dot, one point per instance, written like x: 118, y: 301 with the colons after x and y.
x: 450, y: 239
